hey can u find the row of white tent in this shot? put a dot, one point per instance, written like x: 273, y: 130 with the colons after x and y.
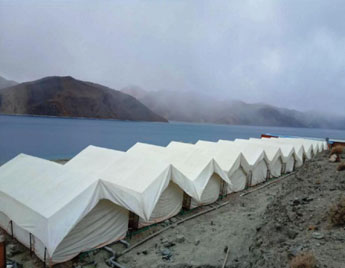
x: 59, y: 210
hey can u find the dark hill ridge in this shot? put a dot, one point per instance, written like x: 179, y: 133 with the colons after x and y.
x: 66, y: 96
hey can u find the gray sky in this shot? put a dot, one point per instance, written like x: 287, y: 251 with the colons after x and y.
x: 289, y: 53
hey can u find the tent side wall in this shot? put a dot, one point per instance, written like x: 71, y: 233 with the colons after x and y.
x: 104, y: 224
x: 23, y: 236
x: 238, y: 180
x: 276, y: 168
x: 168, y: 205
x: 211, y: 192
x: 290, y: 164
x: 259, y: 173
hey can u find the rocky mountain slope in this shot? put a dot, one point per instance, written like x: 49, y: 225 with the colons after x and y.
x: 6, y: 83
x: 66, y: 96
x: 195, y: 107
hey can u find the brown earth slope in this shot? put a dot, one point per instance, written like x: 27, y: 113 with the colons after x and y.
x: 66, y: 96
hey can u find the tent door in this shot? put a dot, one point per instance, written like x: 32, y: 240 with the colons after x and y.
x: 187, y: 200
x: 268, y: 173
x: 133, y: 222
x: 223, y: 188
x: 249, y: 179
x: 284, y: 168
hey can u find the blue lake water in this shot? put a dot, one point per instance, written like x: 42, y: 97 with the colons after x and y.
x: 54, y: 138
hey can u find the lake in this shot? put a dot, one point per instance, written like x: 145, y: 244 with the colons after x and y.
x: 56, y: 138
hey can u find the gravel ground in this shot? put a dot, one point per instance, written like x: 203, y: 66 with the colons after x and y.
x: 265, y: 228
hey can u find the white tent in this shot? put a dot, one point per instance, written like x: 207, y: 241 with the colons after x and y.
x: 297, y: 146
x: 42, y: 203
x: 233, y: 163
x: 307, y: 145
x: 323, y: 145
x: 319, y: 144
x: 155, y: 196
x: 93, y: 159
x: 273, y: 153
x: 315, y: 143
x: 103, y: 162
x: 200, y: 176
x: 289, y: 156
x: 256, y: 158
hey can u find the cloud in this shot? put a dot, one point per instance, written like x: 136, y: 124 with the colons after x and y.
x: 287, y: 53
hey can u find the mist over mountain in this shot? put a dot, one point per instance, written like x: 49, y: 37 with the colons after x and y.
x: 6, y: 83
x: 66, y: 96
x: 195, y: 107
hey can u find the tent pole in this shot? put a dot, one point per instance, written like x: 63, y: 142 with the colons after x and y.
x: 30, y: 244
x: 12, y: 235
x: 45, y: 258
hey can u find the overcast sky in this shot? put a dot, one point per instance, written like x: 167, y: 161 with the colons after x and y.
x: 289, y: 53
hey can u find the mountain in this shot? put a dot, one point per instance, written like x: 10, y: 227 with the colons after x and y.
x: 66, y: 96
x: 6, y: 83
x: 195, y: 107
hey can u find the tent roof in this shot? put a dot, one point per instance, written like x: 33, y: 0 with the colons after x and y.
x: 307, y: 145
x: 227, y: 159
x: 288, y: 150
x: 29, y: 180
x: 94, y: 158
x: 192, y: 168
x: 299, y: 149
x: 252, y: 154
x: 272, y: 152
x: 135, y: 173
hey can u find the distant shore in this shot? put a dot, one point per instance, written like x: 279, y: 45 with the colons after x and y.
x: 82, y: 118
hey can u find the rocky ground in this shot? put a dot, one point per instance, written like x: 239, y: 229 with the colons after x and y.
x: 266, y: 228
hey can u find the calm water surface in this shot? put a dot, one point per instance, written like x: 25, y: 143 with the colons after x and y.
x: 55, y: 138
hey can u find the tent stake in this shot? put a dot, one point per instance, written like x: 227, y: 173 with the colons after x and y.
x: 226, y: 257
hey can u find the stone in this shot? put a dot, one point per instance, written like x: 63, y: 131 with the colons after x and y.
x: 317, y: 235
x: 333, y: 158
x: 278, y: 227
x: 13, y: 250
x: 291, y: 233
x: 196, y: 242
x: 294, y: 251
x: 173, y: 220
x: 166, y: 254
x: 166, y: 243
x: 180, y: 238
x: 295, y: 202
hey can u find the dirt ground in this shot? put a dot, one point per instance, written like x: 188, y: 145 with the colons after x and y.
x: 265, y: 228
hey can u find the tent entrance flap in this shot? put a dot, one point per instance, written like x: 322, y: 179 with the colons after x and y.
x: 168, y: 205
x: 211, y: 192
x: 133, y: 221
x: 187, y: 200
x: 239, y: 181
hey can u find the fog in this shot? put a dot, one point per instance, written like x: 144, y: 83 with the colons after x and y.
x: 286, y: 53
